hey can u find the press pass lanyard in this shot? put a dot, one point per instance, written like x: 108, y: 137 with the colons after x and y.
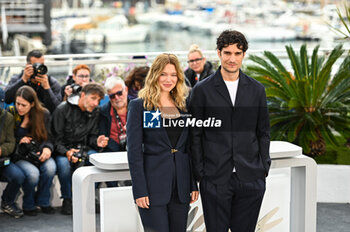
x: 119, y: 121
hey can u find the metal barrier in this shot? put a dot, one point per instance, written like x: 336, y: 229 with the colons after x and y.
x: 61, y: 66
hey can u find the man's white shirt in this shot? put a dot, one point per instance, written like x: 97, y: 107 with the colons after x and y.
x: 232, y: 87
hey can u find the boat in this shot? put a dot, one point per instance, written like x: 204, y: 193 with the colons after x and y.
x: 109, y: 30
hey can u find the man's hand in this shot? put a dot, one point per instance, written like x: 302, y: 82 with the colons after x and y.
x: 194, y: 196
x: 43, y: 80
x: 45, y: 154
x: 143, y: 202
x: 27, y: 73
x: 102, y: 141
x: 70, y: 156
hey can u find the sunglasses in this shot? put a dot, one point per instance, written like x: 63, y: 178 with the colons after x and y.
x: 119, y: 93
x: 195, y: 60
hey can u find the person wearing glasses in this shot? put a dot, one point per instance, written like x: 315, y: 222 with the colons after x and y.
x: 112, y: 121
x: 75, y: 129
x: 46, y: 87
x: 75, y: 82
x: 158, y: 156
x: 199, y: 68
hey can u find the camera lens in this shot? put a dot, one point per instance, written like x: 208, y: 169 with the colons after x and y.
x: 39, y: 69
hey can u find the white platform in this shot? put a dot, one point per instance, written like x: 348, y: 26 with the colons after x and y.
x: 302, y: 208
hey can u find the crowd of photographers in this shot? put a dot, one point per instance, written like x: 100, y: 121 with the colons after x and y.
x: 49, y: 129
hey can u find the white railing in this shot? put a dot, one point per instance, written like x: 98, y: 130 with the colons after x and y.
x: 62, y: 65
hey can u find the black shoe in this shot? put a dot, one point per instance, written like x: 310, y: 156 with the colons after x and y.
x: 48, y: 210
x: 12, y: 209
x: 66, y: 207
x: 33, y: 212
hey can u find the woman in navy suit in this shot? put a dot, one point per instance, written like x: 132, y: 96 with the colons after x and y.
x: 159, y: 163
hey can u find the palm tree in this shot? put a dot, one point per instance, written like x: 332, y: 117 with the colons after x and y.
x: 308, y: 106
x: 345, y: 20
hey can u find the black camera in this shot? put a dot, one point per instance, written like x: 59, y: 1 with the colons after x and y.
x: 75, y: 88
x: 30, y: 152
x: 81, y: 155
x: 122, y: 142
x: 38, y: 68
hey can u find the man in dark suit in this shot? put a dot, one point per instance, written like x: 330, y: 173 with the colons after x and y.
x: 231, y: 161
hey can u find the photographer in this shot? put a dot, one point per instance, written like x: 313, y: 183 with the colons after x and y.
x: 34, y: 75
x: 75, y: 82
x: 113, y: 115
x: 33, y: 152
x: 199, y: 68
x: 9, y: 173
x: 75, y: 127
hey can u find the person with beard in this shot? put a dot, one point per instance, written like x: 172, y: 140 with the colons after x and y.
x: 231, y: 161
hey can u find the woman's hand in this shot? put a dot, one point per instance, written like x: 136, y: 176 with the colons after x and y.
x: 143, y: 202
x: 25, y: 139
x: 194, y: 196
x: 45, y: 154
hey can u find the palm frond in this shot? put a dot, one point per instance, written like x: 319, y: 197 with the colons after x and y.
x: 304, y: 62
x: 294, y: 60
x: 324, y: 76
x: 310, y: 107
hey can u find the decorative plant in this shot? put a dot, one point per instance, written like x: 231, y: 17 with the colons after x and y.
x: 345, y: 21
x: 309, y: 106
x: 119, y: 70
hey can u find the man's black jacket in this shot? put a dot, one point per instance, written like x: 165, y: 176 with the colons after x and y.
x: 191, y: 75
x: 72, y: 127
x: 243, y: 138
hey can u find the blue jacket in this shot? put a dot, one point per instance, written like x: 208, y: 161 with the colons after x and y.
x: 152, y: 163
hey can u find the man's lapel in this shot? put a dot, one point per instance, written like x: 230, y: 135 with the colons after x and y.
x: 221, y: 87
x: 241, y: 90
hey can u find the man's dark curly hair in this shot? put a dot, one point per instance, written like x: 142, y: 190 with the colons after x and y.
x: 229, y: 37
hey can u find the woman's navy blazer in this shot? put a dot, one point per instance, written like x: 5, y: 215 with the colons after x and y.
x: 152, y: 161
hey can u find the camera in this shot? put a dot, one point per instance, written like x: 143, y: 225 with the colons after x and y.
x: 29, y: 152
x: 122, y: 142
x: 38, y: 68
x: 75, y: 88
x: 81, y: 155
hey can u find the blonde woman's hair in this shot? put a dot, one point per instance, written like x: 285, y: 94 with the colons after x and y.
x: 151, y: 91
x: 195, y: 48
